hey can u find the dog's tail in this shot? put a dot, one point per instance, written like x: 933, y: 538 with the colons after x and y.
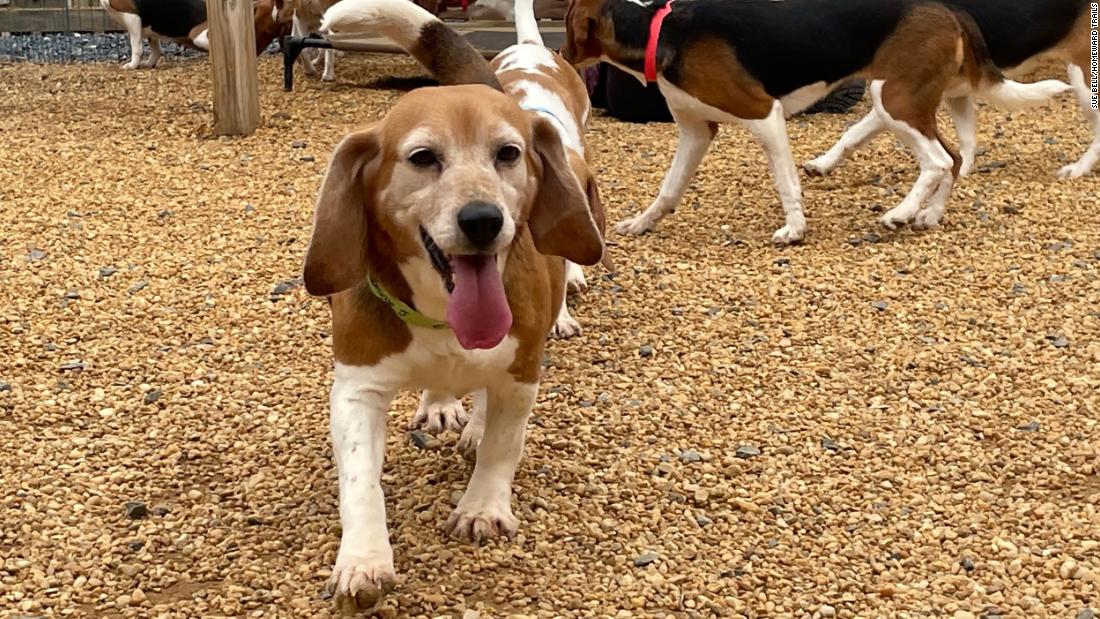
x: 450, y: 58
x: 527, y: 25
x: 987, y: 79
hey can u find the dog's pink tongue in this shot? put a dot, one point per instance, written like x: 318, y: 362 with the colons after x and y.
x: 478, y: 310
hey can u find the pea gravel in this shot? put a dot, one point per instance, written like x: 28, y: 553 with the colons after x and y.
x: 921, y: 446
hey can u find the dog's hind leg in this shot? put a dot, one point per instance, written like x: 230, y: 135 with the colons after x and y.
x: 771, y: 132
x: 932, y: 215
x: 695, y: 137
x: 132, y: 24
x: 964, y: 114
x: 154, y: 52
x: 854, y: 138
x: 1083, y: 166
x: 915, y: 129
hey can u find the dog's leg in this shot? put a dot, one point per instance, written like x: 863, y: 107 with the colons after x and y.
x: 330, y: 66
x: 132, y: 23
x: 931, y: 216
x: 965, y: 116
x: 695, y: 136
x: 470, y: 439
x: 574, y: 277
x: 438, y: 412
x: 854, y: 138
x: 364, y: 565
x: 298, y: 29
x: 485, y: 510
x: 1084, y: 96
x: 201, y: 40
x: 771, y: 132
x: 154, y: 52
x: 934, y: 160
x: 565, y: 326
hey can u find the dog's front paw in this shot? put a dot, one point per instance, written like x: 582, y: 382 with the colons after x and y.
x: 359, y: 582
x: 789, y: 235
x: 635, y: 226
x: 894, y: 219
x: 477, y: 521
x: 565, y: 327
x: 437, y: 413
x: 1072, y: 170
x: 927, y: 219
x: 130, y: 66
x: 574, y: 278
x: 821, y: 166
x: 470, y: 439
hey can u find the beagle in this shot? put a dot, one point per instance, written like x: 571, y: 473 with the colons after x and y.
x: 534, y: 76
x: 305, y: 17
x: 182, y: 22
x: 758, y: 61
x: 1020, y: 34
x: 439, y: 236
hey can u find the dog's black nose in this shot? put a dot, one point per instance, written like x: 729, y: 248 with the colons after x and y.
x: 481, y: 222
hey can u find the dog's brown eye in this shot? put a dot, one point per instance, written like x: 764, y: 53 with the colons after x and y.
x: 508, y: 153
x: 423, y: 158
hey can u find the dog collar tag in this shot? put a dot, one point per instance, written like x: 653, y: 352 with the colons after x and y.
x: 404, y: 311
x: 651, y: 44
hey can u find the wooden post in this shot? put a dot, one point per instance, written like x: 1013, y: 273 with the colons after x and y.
x: 233, y: 63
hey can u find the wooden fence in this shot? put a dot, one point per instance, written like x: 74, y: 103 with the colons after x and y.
x: 54, y: 16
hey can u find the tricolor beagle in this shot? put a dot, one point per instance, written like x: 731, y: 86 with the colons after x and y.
x: 1019, y: 34
x: 182, y: 22
x: 439, y: 235
x: 757, y: 61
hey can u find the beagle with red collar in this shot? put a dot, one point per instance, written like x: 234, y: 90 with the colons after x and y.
x: 182, y: 22
x: 538, y: 79
x: 440, y: 237
x: 1020, y: 34
x: 758, y: 61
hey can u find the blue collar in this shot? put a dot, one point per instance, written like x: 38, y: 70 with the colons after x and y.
x: 546, y: 112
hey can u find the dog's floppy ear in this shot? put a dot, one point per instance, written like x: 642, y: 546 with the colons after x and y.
x: 336, y: 258
x: 560, y: 220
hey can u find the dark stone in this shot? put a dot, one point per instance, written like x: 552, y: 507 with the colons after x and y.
x: 646, y: 351
x: 829, y: 444
x: 645, y: 559
x: 1058, y: 341
x: 153, y: 396
x: 284, y: 287
x: 855, y: 242
x: 585, y: 404
x: 161, y: 511
x: 703, y: 521
x: 421, y: 440
x: 136, y: 510
x: 880, y: 305
x: 107, y: 271
x: 298, y: 144
x: 35, y: 255
x: 782, y: 262
x: 70, y: 366
x: 1030, y: 427
x: 5, y: 387
x: 690, y: 455
x: 872, y: 238
x: 139, y: 286
x: 747, y: 451
x: 255, y: 521
x: 72, y: 295
x: 307, y: 158
x: 137, y: 545
x: 166, y: 213
x: 967, y: 564
x: 1009, y: 209
x: 986, y: 168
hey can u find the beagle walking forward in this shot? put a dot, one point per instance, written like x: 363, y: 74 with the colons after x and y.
x: 757, y: 61
x: 439, y: 236
x: 1020, y: 34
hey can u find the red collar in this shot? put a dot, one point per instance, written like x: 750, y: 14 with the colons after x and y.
x: 651, y: 44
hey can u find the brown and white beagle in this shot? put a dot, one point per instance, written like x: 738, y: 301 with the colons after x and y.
x: 440, y: 236
x: 757, y: 61
x: 182, y: 22
x: 1020, y: 34
x: 305, y: 17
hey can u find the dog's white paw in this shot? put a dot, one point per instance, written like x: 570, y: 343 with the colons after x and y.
x: 1072, y: 171
x: 927, y: 219
x: 436, y: 414
x: 636, y: 226
x: 358, y: 582
x: 130, y: 66
x: 470, y: 439
x: 574, y: 278
x: 821, y: 166
x: 789, y: 234
x: 328, y: 77
x: 477, y: 521
x: 565, y: 327
x: 894, y: 219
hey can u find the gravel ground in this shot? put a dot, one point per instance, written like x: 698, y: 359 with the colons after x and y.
x: 872, y: 424
x: 77, y: 47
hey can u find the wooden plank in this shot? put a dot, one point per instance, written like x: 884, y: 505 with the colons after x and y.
x: 55, y: 20
x: 233, y: 67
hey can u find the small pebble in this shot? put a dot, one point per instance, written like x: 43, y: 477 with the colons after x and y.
x: 136, y: 510
x: 690, y: 455
x: 646, y: 351
x: 645, y: 559
x: 152, y: 396
x: 747, y: 451
x: 107, y: 271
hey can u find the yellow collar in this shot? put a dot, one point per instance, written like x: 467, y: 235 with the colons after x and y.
x: 404, y: 311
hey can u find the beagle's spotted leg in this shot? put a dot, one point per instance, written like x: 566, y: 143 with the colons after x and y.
x: 964, y: 114
x: 695, y: 137
x: 485, y: 510
x: 771, y: 132
x: 470, y: 439
x: 855, y: 137
x: 364, y: 569
x: 132, y: 24
x: 1084, y: 96
x: 438, y: 412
